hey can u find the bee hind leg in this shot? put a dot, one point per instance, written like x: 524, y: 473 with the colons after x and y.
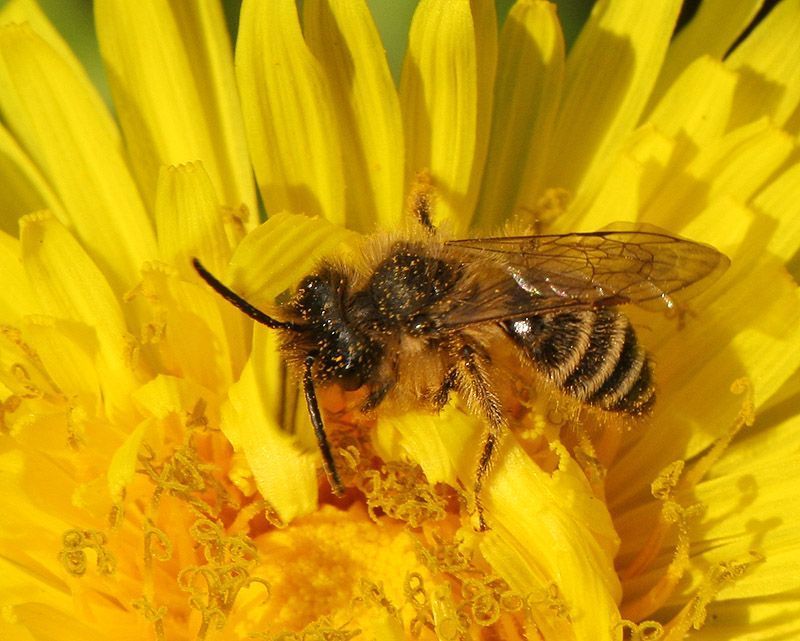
x: 480, y: 395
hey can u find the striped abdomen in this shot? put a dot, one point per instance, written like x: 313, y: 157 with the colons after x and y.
x: 590, y: 355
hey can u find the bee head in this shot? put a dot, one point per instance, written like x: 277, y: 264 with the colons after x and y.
x: 343, y: 351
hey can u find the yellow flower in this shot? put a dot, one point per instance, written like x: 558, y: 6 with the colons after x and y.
x: 160, y: 479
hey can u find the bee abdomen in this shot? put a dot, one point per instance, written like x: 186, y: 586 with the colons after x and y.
x: 593, y: 356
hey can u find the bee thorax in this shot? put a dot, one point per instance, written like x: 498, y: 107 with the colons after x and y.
x: 407, y: 285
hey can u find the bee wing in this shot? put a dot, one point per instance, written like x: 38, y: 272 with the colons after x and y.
x: 638, y: 264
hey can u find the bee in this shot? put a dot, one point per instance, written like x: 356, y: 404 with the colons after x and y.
x: 421, y: 316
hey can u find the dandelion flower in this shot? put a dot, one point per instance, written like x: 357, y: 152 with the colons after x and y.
x: 160, y: 477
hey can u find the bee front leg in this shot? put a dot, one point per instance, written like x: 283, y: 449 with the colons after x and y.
x: 385, y: 384
x: 377, y: 394
x: 319, y: 429
x: 480, y: 395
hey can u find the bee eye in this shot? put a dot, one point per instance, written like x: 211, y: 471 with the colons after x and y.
x: 350, y: 380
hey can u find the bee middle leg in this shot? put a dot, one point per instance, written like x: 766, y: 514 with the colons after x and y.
x: 475, y: 383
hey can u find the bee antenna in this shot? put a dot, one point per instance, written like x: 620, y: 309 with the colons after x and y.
x: 240, y: 303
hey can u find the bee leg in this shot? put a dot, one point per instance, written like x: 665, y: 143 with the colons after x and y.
x: 385, y: 384
x: 490, y: 440
x: 420, y: 201
x: 480, y: 393
x: 442, y: 395
x: 319, y: 429
x: 377, y: 394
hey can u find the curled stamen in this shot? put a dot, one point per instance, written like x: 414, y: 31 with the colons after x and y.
x: 672, y: 514
x: 693, y: 614
x: 745, y: 418
x: 549, y: 603
x: 157, y: 545
x: 154, y: 615
x: 73, y: 553
x: 644, y: 631
x: 670, y: 482
x: 374, y: 593
x: 447, y: 621
x: 401, y: 491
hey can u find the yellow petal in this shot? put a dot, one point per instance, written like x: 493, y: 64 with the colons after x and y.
x: 698, y: 104
x: 24, y: 188
x: 754, y: 331
x: 617, y: 198
x: 610, y: 73
x: 68, y: 350
x: 523, y: 552
x: 278, y: 253
x: 25, y: 475
x: 21, y: 584
x: 736, y: 166
x: 633, y: 177
x: 166, y: 395
x: 780, y: 200
x: 188, y: 328
x: 43, y: 621
x: 16, y: 298
x: 69, y: 286
x: 564, y: 536
x: 171, y: 72
x: 190, y: 223
x: 50, y: 110
x: 28, y: 11
x: 550, y: 613
x: 711, y: 33
x: 527, y: 95
x: 558, y: 537
x: 285, y: 470
x: 290, y: 119
x: 418, y: 432
x: 775, y: 617
x: 767, y: 485
x: 344, y: 39
x: 767, y: 62
x: 446, y: 99
x: 66, y: 282
x: 122, y: 467
x: 189, y: 219
x: 22, y: 375
x: 385, y: 627
x: 763, y: 442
